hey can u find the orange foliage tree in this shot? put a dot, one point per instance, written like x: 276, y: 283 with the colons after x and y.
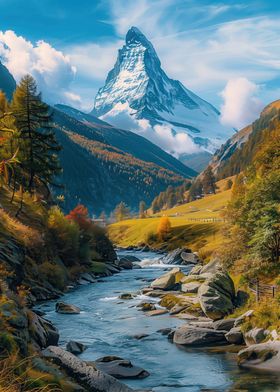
x: 164, y: 228
x: 80, y: 215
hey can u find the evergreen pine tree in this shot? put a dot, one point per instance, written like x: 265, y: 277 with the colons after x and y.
x: 37, y: 142
x: 142, y: 209
x: 209, y: 181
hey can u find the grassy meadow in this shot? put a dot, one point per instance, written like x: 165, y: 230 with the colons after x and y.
x: 196, y: 225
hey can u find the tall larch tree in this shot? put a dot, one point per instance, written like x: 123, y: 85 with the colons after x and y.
x: 38, y: 145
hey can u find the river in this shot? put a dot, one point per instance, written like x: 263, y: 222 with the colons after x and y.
x: 107, y: 325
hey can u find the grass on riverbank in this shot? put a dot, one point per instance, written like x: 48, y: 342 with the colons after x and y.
x: 196, y: 225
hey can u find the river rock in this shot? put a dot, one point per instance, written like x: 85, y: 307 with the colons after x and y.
x: 88, y: 277
x: 75, y: 347
x: 263, y: 356
x: 193, y: 336
x: 42, y: 331
x: 146, y: 306
x: 85, y: 374
x: 216, y: 295
x: 157, y: 312
x: 130, y: 258
x: 173, y: 257
x: 189, y: 258
x: 244, y: 317
x: 120, y: 368
x: 62, y: 307
x: 235, y: 336
x: 125, y: 263
x: 191, y: 287
x: 255, y: 336
x: 165, y: 331
x: 166, y: 281
x: 126, y: 296
x: 224, y: 324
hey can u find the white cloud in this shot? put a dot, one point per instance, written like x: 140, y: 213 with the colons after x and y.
x: 176, y: 144
x: 94, y: 60
x: 50, y: 67
x: 241, y: 103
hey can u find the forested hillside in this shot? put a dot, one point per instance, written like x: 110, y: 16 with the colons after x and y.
x: 240, y: 150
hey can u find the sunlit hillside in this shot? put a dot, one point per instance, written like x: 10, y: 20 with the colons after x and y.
x: 196, y: 224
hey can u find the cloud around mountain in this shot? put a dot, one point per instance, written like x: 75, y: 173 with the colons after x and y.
x: 51, y: 68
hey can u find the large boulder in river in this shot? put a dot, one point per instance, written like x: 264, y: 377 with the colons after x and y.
x: 166, y: 281
x: 194, y: 336
x: 216, y: 295
x: 83, y: 373
x: 120, y: 368
x: 62, y: 307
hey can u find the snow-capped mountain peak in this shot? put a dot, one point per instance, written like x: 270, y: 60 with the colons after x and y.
x: 138, y: 86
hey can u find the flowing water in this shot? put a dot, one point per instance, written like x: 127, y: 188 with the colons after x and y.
x: 108, y: 325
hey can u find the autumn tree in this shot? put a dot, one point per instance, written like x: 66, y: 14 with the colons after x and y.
x: 80, y: 216
x: 37, y: 142
x: 164, y: 228
x: 229, y: 184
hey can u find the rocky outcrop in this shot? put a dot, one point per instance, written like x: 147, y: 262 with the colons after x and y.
x: 42, y: 332
x: 195, y: 336
x: 62, y: 307
x: 191, y: 287
x: 255, y: 336
x: 216, y: 295
x: 180, y: 256
x: 120, y: 368
x: 235, y: 336
x: 83, y: 373
x: 125, y: 263
x: 263, y: 356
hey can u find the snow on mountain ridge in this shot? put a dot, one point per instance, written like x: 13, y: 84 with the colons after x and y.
x: 138, y: 85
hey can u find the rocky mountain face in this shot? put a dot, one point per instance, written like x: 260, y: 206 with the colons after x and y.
x: 239, y: 151
x: 139, y: 86
x: 103, y: 166
x: 7, y: 82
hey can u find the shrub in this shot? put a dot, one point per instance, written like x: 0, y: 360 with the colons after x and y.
x: 65, y: 235
x: 54, y: 274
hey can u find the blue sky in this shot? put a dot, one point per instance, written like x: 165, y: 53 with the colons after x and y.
x: 71, y: 45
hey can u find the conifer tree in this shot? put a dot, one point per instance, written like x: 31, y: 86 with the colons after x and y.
x: 142, y: 209
x: 121, y: 212
x: 209, y: 181
x: 37, y: 142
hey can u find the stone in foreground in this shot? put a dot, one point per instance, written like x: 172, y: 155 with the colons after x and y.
x: 84, y: 374
x: 120, y: 368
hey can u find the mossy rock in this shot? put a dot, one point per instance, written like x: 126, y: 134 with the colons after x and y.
x: 98, y: 267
